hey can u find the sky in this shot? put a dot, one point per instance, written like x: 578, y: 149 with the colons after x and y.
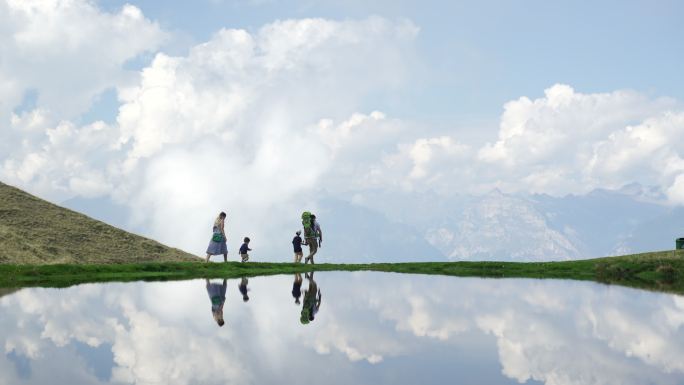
x: 178, y: 109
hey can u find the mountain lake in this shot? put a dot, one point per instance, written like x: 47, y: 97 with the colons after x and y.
x: 344, y: 328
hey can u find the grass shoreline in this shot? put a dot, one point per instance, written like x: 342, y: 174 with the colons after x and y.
x: 659, y: 271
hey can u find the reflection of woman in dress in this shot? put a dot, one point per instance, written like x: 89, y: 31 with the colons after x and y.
x: 312, y: 301
x: 217, y: 245
x: 217, y: 295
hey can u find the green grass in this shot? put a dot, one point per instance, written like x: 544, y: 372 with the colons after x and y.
x: 661, y: 271
x: 34, y: 231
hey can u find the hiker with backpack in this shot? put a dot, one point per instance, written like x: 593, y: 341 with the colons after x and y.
x: 313, y: 236
x: 317, y: 230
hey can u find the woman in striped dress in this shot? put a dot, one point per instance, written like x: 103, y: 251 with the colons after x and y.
x: 217, y: 244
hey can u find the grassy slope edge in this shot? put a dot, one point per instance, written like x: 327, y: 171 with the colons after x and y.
x: 34, y: 231
x: 661, y: 271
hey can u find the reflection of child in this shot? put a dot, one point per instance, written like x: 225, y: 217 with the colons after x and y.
x: 297, y: 288
x: 243, y: 288
x: 244, y: 249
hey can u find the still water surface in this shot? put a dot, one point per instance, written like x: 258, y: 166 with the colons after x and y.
x: 364, y: 328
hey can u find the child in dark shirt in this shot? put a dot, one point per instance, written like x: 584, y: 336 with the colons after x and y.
x: 244, y: 249
x: 297, y: 243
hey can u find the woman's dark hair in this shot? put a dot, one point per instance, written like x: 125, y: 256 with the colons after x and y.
x: 222, y: 214
x: 246, y: 239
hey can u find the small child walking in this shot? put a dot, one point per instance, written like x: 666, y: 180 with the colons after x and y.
x: 244, y: 249
x: 297, y: 243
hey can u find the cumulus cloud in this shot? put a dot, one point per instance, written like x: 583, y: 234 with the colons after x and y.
x: 231, y: 126
x: 64, y: 54
x: 50, y: 46
x: 570, y: 142
x: 60, y: 160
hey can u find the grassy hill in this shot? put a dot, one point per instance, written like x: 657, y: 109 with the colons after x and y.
x: 34, y: 231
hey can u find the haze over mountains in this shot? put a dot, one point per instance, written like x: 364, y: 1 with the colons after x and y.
x: 498, y: 226
x: 381, y: 226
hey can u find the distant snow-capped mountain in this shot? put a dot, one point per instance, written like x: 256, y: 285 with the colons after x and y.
x: 502, y: 227
x: 518, y: 227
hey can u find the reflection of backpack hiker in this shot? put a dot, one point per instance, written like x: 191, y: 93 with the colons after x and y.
x: 312, y: 301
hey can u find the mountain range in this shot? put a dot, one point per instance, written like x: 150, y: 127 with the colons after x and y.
x: 381, y: 226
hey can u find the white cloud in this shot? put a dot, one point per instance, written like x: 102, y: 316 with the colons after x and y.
x: 228, y: 127
x: 65, y: 53
x: 231, y: 126
x: 62, y: 160
x: 649, y: 152
x: 424, y: 152
x: 569, y: 142
x: 55, y: 45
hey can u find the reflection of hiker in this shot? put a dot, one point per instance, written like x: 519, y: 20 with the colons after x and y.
x: 217, y: 245
x: 243, y: 288
x: 297, y: 243
x: 312, y: 301
x: 217, y: 295
x: 297, y: 288
x: 312, y: 234
x: 244, y: 249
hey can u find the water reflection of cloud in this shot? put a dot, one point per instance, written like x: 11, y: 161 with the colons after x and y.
x: 540, y: 326
x: 555, y: 332
x: 145, y: 348
x: 147, y: 351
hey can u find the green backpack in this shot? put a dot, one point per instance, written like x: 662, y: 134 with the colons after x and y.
x: 307, y: 223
